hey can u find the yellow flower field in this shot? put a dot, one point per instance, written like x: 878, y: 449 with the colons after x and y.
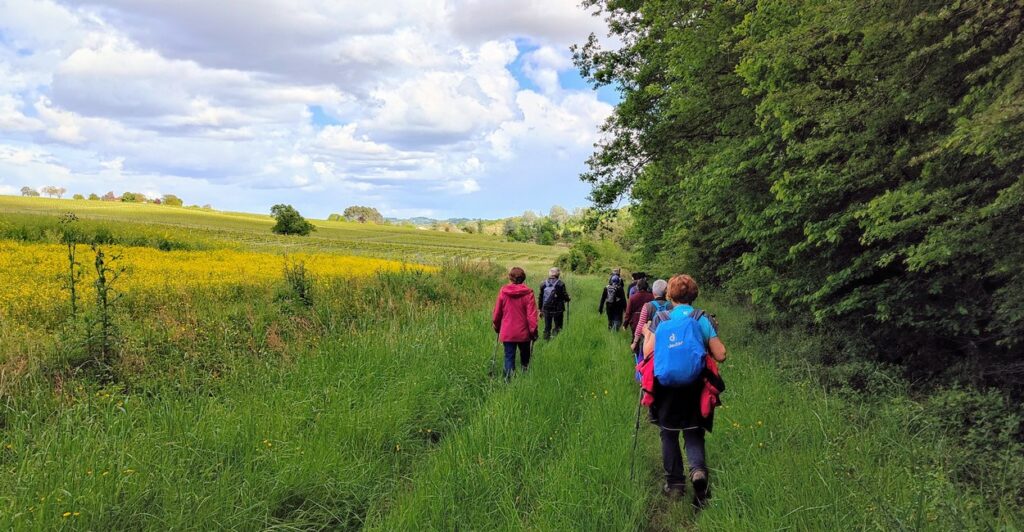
x: 34, y: 275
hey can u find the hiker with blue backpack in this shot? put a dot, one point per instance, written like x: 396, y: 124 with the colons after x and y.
x: 681, y: 385
x: 552, y: 299
x: 613, y: 299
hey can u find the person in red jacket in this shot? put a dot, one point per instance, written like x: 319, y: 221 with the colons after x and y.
x: 515, y: 320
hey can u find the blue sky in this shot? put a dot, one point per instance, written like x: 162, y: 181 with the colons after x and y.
x: 443, y: 108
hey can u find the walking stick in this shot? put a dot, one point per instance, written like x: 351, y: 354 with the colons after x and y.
x: 494, y: 358
x: 636, y: 431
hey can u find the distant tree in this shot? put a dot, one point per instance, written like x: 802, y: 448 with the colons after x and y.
x: 360, y: 214
x: 78, y: 197
x: 30, y: 192
x: 558, y: 214
x: 54, y: 192
x: 172, y: 200
x: 110, y: 196
x: 157, y: 201
x: 207, y: 206
x: 289, y: 221
x: 133, y: 197
x: 334, y: 217
x: 93, y: 197
x: 529, y: 217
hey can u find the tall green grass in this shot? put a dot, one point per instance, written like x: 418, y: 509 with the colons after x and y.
x: 373, y: 409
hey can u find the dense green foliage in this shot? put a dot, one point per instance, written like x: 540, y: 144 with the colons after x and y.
x: 855, y: 163
x: 289, y: 221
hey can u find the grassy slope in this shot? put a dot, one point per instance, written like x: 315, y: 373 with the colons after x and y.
x: 252, y: 231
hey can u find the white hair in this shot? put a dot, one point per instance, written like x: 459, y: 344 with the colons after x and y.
x: 660, y: 288
x: 554, y: 272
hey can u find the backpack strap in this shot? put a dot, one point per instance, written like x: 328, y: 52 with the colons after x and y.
x: 659, y: 317
x: 697, y: 314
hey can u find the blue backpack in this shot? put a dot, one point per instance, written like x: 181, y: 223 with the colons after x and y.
x: 678, y: 347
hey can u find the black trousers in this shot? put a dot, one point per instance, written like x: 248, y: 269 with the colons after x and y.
x: 552, y: 319
x: 672, y: 456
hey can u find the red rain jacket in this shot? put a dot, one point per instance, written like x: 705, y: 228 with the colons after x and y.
x: 515, y: 314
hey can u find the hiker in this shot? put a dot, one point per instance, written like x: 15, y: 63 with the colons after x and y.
x: 635, y: 304
x: 614, y: 298
x: 632, y: 288
x: 515, y: 320
x: 616, y: 275
x: 647, y: 312
x: 678, y: 408
x: 551, y: 299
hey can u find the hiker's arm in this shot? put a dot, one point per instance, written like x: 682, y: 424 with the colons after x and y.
x: 717, y: 349
x: 648, y: 340
x: 565, y: 294
x: 600, y: 307
x: 640, y: 326
x: 629, y: 310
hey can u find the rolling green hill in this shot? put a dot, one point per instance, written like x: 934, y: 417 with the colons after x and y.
x: 252, y: 231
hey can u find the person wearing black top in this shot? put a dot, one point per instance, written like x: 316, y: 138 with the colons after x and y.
x: 551, y: 300
x: 614, y: 298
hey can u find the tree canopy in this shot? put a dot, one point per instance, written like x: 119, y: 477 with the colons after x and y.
x: 289, y: 221
x: 359, y: 214
x: 857, y: 163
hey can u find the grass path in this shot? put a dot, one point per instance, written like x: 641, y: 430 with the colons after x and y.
x: 550, y: 451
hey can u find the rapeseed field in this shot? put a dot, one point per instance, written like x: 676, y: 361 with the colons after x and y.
x: 35, y: 274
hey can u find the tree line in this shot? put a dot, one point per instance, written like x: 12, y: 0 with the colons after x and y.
x: 126, y: 197
x: 855, y: 164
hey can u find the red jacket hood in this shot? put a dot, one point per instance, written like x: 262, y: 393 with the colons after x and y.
x: 516, y: 290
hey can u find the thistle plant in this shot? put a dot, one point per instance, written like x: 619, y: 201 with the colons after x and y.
x: 107, y: 274
x: 70, y: 236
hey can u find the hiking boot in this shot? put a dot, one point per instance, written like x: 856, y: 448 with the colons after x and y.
x: 701, y: 488
x: 674, y: 491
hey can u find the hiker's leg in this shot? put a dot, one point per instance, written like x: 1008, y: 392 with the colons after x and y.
x: 547, y: 325
x: 524, y: 354
x: 693, y: 439
x: 510, y: 358
x: 672, y: 458
x: 558, y: 317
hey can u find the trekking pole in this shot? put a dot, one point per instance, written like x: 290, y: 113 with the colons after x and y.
x: 636, y: 431
x: 494, y: 358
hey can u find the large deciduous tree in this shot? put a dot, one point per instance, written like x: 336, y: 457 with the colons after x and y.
x: 360, y: 214
x: 289, y: 221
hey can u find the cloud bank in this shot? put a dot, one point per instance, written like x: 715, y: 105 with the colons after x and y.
x: 457, y: 107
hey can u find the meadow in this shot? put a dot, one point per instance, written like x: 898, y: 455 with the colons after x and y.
x: 233, y: 403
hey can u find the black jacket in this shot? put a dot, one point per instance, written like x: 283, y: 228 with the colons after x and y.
x: 558, y: 300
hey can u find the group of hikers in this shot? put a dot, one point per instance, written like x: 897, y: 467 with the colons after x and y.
x: 675, y: 355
